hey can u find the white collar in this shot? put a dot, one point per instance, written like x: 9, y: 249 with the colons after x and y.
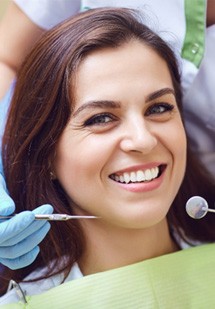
x: 41, y: 286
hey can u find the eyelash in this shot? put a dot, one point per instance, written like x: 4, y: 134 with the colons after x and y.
x: 167, y: 107
x: 99, y: 119
x: 96, y: 119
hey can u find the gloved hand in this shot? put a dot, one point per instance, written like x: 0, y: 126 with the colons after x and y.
x: 20, y: 235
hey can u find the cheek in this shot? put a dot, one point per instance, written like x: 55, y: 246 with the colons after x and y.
x: 79, y: 163
x: 177, y: 144
x: 180, y: 141
x: 65, y: 167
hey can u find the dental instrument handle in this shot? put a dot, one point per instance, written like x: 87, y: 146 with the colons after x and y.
x: 54, y: 217
x: 209, y: 209
x: 61, y: 217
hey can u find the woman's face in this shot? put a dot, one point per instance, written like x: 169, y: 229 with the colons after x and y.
x: 122, y: 155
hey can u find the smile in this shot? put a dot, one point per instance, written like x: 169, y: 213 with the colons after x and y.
x: 138, y: 176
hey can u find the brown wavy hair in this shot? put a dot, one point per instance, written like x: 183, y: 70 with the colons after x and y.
x: 41, y: 107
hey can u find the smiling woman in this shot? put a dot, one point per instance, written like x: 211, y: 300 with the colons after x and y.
x: 99, y: 131
x: 123, y: 99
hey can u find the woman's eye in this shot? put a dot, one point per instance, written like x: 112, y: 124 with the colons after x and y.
x: 99, y: 120
x: 159, y: 108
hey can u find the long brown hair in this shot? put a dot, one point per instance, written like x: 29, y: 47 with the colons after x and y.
x: 40, y: 109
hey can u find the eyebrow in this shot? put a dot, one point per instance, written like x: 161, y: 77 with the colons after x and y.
x: 115, y: 104
x: 159, y: 93
x: 100, y: 104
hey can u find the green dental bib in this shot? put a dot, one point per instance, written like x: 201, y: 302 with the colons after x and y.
x: 183, y: 280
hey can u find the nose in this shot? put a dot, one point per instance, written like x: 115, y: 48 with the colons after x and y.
x: 138, y: 136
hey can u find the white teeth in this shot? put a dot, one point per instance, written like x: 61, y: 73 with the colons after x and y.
x: 126, y: 177
x: 117, y: 178
x: 148, y: 174
x: 155, y: 172
x: 121, y: 178
x: 138, y: 176
x: 133, y: 177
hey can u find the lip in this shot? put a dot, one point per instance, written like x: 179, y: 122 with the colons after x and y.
x: 136, y: 168
x: 140, y: 187
x: 141, y: 167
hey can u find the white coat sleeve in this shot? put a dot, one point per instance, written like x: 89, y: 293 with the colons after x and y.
x: 48, y: 13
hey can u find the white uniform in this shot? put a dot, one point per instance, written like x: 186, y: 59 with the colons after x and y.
x: 38, y: 287
x: 168, y: 20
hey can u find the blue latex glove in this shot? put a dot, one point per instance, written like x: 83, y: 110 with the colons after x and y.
x: 19, y: 236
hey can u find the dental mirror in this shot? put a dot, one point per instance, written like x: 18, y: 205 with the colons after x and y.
x: 197, y: 207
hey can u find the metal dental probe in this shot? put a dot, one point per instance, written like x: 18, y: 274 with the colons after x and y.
x: 54, y: 217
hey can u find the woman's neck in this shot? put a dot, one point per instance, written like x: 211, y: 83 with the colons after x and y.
x: 117, y: 247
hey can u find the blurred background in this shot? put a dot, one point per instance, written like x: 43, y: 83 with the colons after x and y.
x: 3, y: 6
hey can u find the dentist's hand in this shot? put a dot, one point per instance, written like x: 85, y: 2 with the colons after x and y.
x: 20, y: 235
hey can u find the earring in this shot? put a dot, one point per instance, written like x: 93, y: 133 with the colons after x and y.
x: 52, y: 176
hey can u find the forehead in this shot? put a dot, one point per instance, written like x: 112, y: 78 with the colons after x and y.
x: 131, y: 65
x: 126, y: 50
